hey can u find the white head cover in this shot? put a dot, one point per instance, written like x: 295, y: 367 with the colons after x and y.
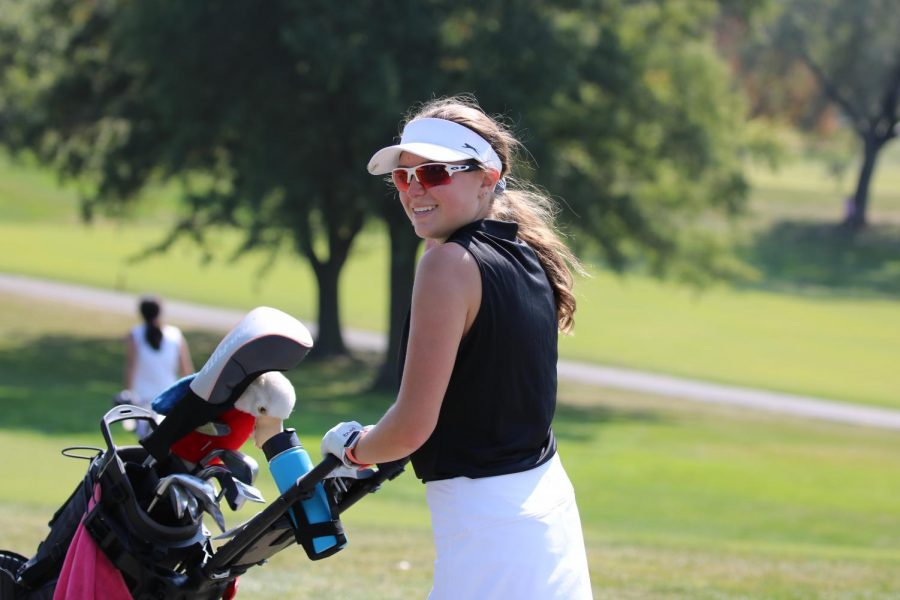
x: 439, y: 140
x: 270, y: 394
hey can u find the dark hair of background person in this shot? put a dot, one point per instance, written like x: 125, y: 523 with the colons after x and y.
x: 150, y: 309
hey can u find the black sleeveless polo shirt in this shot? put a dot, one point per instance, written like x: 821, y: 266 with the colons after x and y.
x: 496, y: 414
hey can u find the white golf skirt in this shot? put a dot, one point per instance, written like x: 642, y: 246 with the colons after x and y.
x: 511, y: 536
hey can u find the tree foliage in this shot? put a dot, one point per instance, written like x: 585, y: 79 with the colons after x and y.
x: 845, y: 55
x: 269, y: 111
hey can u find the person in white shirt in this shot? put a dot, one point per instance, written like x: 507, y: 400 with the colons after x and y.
x: 157, y: 355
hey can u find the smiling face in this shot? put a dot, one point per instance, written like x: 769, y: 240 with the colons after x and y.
x: 440, y: 210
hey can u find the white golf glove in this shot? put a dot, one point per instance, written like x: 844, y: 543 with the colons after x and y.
x: 341, y: 439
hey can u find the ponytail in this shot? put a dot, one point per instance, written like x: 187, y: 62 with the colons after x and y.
x: 150, y: 309
x: 535, y: 215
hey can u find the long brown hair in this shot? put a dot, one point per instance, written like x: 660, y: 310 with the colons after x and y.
x: 525, y: 204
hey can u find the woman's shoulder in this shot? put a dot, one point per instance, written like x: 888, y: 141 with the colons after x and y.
x: 171, y: 331
x: 446, y: 266
x: 447, y: 257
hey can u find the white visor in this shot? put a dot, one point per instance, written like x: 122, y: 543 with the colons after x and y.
x: 438, y: 140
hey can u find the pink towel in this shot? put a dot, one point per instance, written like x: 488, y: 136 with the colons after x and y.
x: 86, y: 573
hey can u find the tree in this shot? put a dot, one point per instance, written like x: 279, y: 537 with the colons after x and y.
x: 627, y: 112
x: 269, y: 111
x: 853, y: 51
x: 630, y: 118
x: 272, y: 108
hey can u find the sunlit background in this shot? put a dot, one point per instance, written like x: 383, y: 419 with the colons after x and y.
x: 728, y: 172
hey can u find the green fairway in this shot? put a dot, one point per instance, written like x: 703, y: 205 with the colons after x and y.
x: 678, y: 500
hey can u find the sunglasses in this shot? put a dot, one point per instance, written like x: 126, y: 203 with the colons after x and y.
x: 428, y: 175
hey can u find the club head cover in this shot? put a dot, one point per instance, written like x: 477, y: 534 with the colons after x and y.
x: 197, y: 444
x: 168, y: 398
x: 271, y: 394
x: 266, y: 339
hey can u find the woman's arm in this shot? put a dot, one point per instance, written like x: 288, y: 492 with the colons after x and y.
x: 130, y: 361
x: 446, y: 298
x: 185, y: 364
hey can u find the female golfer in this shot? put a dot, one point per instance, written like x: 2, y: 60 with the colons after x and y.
x: 156, y: 356
x: 478, y: 387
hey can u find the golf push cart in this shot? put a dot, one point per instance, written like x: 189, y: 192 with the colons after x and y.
x: 136, y: 519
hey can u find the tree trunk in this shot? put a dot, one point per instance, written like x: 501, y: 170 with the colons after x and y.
x: 404, y: 244
x: 339, y: 235
x: 329, y: 340
x: 856, y: 215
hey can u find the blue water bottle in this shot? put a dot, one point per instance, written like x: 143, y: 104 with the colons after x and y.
x: 288, y: 461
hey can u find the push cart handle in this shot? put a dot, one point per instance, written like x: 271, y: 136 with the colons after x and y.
x: 258, y: 525
x: 305, y: 486
x: 362, y: 487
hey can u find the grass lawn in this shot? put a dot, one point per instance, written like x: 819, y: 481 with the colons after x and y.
x: 677, y: 500
x: 839, y: 347
x: 803, y: 190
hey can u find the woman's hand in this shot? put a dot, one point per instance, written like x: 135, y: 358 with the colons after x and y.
x: 341, y: 440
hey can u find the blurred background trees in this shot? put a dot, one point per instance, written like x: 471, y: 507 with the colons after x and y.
x: 811, y: 59
x: 266, y: 113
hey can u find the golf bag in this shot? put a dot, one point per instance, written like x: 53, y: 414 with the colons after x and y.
x: 153, y: 549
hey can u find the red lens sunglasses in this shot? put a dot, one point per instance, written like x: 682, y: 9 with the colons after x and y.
x: 429, y: 175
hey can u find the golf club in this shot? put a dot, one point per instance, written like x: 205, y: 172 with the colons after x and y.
x: 243, y: 467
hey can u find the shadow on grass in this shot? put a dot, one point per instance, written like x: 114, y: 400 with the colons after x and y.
x: 334, y: 390
x: 62, y: 384
x: 58, y: 383
x: 826, y: 258
x: 581, y: 423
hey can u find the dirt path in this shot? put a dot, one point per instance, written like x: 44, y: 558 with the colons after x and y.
x: 196, y: 315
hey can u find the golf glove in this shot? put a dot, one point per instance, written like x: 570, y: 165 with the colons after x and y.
x: 124, y: 397
x: 342, y: 439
